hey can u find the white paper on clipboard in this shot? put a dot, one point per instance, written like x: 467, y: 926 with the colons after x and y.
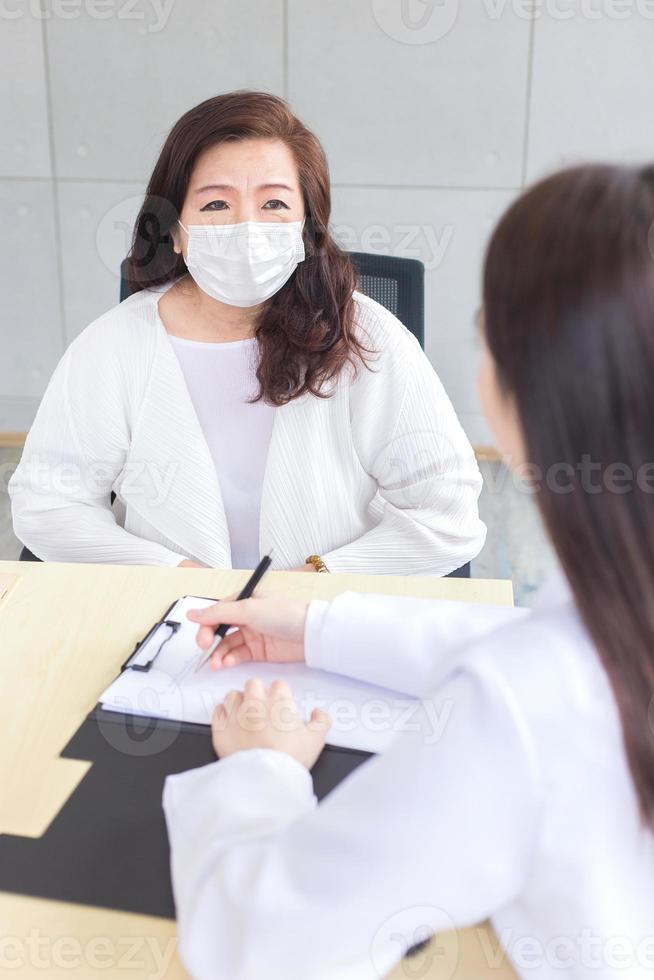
x: 363, y: 716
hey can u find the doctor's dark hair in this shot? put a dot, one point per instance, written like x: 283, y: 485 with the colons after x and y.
x: 306, y: 331
x: 569, y: 321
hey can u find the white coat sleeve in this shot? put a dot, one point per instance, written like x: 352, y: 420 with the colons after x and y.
x: 408, y: 438
x: 77, y: 446
x: 435, y: 834
x: 396, y: 642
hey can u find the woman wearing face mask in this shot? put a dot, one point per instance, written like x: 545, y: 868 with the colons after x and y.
x: 246, y: 397
x: 536, y: 804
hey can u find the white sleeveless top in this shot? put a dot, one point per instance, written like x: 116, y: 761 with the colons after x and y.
x: 221, y: 377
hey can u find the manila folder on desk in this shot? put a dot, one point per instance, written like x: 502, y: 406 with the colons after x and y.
x: 363, y: 716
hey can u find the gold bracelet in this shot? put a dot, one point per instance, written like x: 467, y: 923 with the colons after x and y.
x: 317, y: 563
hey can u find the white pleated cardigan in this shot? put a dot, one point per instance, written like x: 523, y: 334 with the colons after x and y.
x: 377, y: 478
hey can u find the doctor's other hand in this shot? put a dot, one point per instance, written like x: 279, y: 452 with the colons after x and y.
x: 268, y: 718
x: 269, y: 629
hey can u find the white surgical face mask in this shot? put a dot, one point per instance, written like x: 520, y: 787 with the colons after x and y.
x: 246, y: 263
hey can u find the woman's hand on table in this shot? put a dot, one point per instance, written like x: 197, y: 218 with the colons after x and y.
x: 268, y: 718
x: 270, y: 629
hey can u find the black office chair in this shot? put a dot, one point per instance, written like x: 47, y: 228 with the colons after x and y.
x: 26, y: 555
x: 396, y: 283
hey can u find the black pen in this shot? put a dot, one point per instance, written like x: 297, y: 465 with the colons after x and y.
x: 245, y: 593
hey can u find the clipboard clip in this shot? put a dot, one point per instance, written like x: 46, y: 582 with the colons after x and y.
x: 140, y: 659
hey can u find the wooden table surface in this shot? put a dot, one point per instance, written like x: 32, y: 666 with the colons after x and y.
x: 65, y: 629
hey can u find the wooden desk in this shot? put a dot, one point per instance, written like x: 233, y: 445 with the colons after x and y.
x: 64, y: 631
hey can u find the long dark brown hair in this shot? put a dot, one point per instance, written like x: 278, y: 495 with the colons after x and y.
x: 306, y: 332
x: 569, y: 320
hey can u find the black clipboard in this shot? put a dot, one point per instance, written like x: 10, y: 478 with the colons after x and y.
x: 108, y: 845
x: 167, y: 627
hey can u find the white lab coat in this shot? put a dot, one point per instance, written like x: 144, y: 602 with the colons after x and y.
x: 520, y: 807
x: 379, y: 478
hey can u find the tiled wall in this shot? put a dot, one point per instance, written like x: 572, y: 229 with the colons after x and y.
x: 433, y: 115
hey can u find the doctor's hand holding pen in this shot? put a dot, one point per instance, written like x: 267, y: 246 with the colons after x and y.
x: 268, y: 629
